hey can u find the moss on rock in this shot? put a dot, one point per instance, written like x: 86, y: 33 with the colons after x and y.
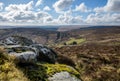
x: 56, y: 68
x: 42, y: 71
x: 13, y: 71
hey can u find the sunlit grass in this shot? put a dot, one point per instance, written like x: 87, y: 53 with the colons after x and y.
x: 78, y: 41
x: 56, y: 68
x: 8, y: 69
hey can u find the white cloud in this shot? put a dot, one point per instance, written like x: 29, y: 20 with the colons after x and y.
x: 40, y: 17
x: 42, y: 14
x: 64, y: 19
x: 61, y: 5
x: 2, y: 18
x: 77, y: 20
x: 111, y: 6
x: 82, y: 8
x: 20, y: 7
x: 67, y: 18
x: 99, y: 9
x: 39, y: 2
x: 103, y: 18
x: 28, y: 15
x: 107, y: 17
x: 19, y: 16
x: 1, y: 6
x: 46, y: 8
x: 48, y: 19
x: 24, y: 13
x: 43, y: 17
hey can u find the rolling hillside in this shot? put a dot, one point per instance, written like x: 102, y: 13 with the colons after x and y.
x: 98, y: 34
x: 37, y: 34
x: 105, y: 34
x: 93, y: 51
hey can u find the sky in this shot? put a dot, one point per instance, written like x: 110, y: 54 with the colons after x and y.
x: 59, y: 12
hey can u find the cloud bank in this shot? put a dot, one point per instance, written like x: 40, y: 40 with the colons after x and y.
x: 60, y: 13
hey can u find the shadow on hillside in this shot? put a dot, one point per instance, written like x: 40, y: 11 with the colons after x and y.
x: 33, y: 72
x: 62, y: 59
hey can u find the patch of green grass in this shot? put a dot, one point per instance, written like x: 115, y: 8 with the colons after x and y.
x: 13, y: 71
x: 41, y: 71
x: 70, y: 42
x: 78, y: 41
x: 56, y: 68
x: 35, y: 72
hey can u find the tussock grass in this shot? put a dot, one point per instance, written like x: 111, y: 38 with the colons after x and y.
x: 95, y: 62
x: 8, y: 69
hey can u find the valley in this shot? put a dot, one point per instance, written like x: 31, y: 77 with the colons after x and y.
x: 94, y: 52
x: 52, y: 36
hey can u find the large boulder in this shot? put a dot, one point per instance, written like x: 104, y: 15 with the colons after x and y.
x: 44, y: 53
x: 25, y: 57
x: 26, y: 54
x: 22, y: 54
x: 25, y: 50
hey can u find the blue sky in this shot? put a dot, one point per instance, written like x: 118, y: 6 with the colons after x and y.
x: 89, y: 3
x: 59, y: 12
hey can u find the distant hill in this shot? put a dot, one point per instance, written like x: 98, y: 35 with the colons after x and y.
x: 37, y: 34
x: 51, y: 35
x: 97, y: 33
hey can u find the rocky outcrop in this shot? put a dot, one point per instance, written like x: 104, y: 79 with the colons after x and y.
x: 25, y: 50
x: 44, y: 53
x: 31, y: 60
x: 25, y: 57
x: 51, y: 72
x: 63, y: 76
x: 15, y: 40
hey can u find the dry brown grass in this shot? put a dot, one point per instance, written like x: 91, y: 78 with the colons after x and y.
x: 8, y: 70
x: 95, y: 62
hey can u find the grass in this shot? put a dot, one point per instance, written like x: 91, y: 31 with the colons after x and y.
x: 10, y: 70
x: 41, y: 71
x: 95, y: 62
x: 10, y: 73
x: 78, y: 41
x: 56, y: 68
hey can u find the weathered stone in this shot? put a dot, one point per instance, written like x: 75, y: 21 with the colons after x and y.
x: 25, y: 57
x: 15, y: 40
x: 26, y: 50
x: 63, y: 76
x: 44, y: 53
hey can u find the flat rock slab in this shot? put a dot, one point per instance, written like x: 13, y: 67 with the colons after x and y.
x: 63, y: 76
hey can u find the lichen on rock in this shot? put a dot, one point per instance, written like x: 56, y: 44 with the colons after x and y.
x: 63, y: 76
x: 32, y: 62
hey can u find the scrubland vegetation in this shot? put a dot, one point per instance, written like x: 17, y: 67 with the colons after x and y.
x: 8, y: 69
x: 12, y: 70
x: 93, y: 52
x: 95, y: 62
